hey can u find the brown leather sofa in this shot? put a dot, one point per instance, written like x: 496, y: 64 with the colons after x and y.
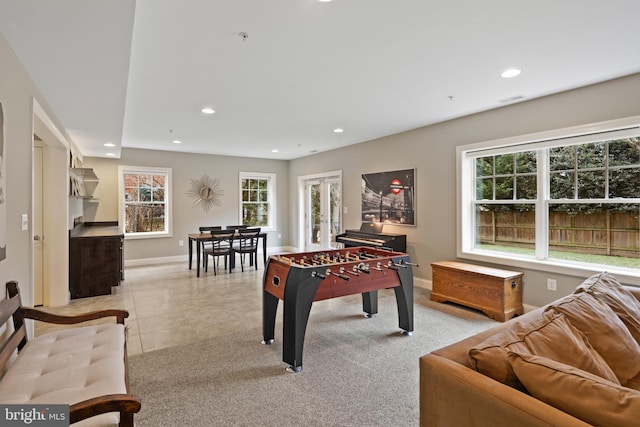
x: 542, y: 368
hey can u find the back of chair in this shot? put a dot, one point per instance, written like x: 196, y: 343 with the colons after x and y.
x: 222, y: 240
x: 248, y: 237
x: 209, y: 228
x: 236, y: 227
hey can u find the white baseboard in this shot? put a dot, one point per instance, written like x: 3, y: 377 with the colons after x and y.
x: 422, y: 283
x: 417, y: 281
x: 185, y: 258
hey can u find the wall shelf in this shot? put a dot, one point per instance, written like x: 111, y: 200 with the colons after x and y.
x: 83, y: 182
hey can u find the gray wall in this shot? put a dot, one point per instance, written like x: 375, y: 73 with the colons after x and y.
x: 186, y: 217
x: 17, y: 95
x: 432, y: 150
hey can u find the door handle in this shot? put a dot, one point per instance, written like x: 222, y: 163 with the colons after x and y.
x: 38, y: 237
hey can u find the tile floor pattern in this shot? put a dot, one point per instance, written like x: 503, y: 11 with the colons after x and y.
x: 169, y: 306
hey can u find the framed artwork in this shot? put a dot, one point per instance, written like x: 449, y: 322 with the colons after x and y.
x: 206, y: 192
x: 389, y: 197
x: 3, y: 183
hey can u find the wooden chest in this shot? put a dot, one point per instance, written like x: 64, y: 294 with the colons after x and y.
x: 496, y: 292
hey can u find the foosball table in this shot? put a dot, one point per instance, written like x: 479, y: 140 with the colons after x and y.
x: 300, y: 279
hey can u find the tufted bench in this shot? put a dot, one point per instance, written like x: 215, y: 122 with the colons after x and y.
x: 85, y: 367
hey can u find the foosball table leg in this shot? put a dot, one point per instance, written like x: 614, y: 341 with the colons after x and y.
x: 370, y: 303
x: 269, y: 308
x: 404, y: 300
x: 298, y: 297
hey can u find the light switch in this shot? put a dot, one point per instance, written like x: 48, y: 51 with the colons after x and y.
x: 25, y: 222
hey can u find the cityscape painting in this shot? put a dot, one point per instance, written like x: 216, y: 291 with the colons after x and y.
x: 389, y: 197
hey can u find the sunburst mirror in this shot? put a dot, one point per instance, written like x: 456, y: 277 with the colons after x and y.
x: 206, y: 192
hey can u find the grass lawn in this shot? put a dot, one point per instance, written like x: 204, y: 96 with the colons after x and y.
x: 569, y: 256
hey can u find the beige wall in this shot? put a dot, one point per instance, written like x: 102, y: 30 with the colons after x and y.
x: 186, y: 217
x: 431, y: 150
x: 17, y: 95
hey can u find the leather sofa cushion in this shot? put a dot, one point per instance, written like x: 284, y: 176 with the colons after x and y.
x: 605, y: 331
x: 607, y: 289
x: 550, y: 335
x: 633, y: 383
x: 69, y: 366
x: 586, y: 396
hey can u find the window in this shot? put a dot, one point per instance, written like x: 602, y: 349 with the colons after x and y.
x: 257, y: 200
x: 145, y: 201
x: 567, y: 199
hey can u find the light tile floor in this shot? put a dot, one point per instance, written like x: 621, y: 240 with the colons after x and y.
x: 169, y: 306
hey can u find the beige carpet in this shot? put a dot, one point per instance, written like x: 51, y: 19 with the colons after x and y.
x: 356, y: 371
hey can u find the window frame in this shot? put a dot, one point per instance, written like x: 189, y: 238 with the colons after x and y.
x: 168, y: 190
x: 271, y: 197
x: 465, y: 201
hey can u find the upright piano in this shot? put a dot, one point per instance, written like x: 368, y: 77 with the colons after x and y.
x: 370, y: 234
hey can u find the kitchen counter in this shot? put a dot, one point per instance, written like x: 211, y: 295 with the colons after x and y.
x: 97, y: 229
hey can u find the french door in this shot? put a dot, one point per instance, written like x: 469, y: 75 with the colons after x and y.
x: 323, y: 207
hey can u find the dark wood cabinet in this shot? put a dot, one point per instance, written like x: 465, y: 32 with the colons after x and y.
x: 95, y: 260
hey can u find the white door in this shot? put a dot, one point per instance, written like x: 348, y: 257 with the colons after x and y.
x: 38, y: 237
x: 323, y: 205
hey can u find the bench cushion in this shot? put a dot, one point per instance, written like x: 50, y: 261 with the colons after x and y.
x: 69, y: 366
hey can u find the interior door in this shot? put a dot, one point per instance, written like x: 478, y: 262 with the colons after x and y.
x: 323, y: 205
x: 38, y: 237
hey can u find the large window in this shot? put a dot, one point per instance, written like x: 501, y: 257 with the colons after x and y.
x: 257, y: 200
x: 565, y: 199
x: 145, y: 201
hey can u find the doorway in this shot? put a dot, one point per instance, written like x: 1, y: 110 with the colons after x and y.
x: 38, y: 242
x: 53, y: 211
x: 322, y: 210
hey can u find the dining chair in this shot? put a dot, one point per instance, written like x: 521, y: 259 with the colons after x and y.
x: 236, y: 227
x: 205, y: 243
x: 221, y: 246
x: 247, y: 243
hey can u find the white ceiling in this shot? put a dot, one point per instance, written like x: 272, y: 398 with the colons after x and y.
x: 128, y: 72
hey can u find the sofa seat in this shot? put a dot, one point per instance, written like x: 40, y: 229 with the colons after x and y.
x: 574, y: 362
x: 67, y: 367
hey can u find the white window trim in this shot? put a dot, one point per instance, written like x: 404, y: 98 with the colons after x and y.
x: 272, y: 196
x: 465, y: 190
x: 168, y: 197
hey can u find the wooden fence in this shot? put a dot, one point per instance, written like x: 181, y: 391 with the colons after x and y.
x: 600, y: 233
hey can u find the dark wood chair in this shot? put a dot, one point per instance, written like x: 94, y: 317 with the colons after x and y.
x: 235, y: 227
x: 207, y: 229
x: 246, y: 242
x: 221, y: 245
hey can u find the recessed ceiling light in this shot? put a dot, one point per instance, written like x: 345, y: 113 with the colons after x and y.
x: 111, y: 154
x: 338, y: 130
x: 274, y: 151
x: 208, y: 110
x: 177, y: 141
x: 324, y: 1
x: 109, y: 144
x: 510, y: 72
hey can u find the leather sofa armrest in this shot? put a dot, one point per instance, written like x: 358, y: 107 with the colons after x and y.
x: 454, y: 395
x: 635, y: 291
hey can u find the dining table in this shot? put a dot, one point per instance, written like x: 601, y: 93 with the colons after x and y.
x: 203, y: 237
